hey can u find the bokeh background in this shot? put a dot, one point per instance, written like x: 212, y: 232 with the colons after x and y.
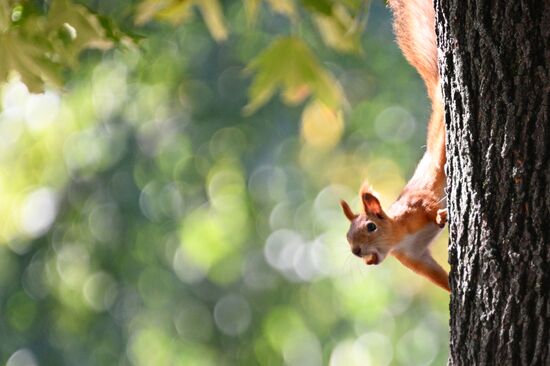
x: 158, y: 210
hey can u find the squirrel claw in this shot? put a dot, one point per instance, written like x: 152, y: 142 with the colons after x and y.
x: 441, y: 217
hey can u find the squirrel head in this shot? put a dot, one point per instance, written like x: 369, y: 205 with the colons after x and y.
x: 370, y: 233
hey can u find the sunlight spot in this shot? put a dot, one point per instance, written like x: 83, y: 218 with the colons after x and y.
x: 280, y: 216
x: 100, y: 291
x: 395, y: 124
x: 71, y: 31
x: 185, y: 269
x: 109, y: 88
x: 280, y: 248
x: 232, y: 315
x: 377, y: 345
x: 303, y: 262
x: 38, y: 211
x: 10, y: 131
x: 302, y: 348
x: 326, y: 206
x: 268, y: 184
x: 41, y: 110
x: 347, y: 354
x: 417, y: 347
x: 226, y: 189
x: 322, y: 127
x: 14, y: 99
x: 72, y: 264
x: 321, y: 257
x: 22, y: 357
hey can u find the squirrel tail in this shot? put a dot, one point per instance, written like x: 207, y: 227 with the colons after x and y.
x: 414, y: 25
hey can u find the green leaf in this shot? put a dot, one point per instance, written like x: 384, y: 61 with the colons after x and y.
x: 82, y: 26
x: 5, y: 13
x: 320, y: 6
x: 339, y: 30
x: 355, y: 5
x: 288, y: 64
x: 114, y: 33
x: 171, y: 11
x: 38, y: 47
x: 285, y: 7
x: 28, y: 58
x: 251, y: 9
x: 213, y: 17
x: 179, y: 11
x: 176, y: 13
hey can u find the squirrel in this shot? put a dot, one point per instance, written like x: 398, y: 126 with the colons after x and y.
x: 408, y: 227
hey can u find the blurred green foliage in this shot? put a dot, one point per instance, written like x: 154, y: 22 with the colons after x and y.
x: 38, y: 39
x: 147, y: 220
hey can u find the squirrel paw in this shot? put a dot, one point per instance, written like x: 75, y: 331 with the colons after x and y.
x: 441, y: 218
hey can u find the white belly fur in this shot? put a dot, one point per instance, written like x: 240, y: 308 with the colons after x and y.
x: 414, y: 245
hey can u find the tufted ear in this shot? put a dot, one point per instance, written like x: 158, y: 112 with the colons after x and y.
x: 371, y: 204
x: 347, y: 210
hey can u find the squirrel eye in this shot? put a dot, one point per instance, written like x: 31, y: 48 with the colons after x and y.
x: 371, y: 227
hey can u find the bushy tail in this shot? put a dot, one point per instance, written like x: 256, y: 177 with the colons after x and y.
x: 414, y: 25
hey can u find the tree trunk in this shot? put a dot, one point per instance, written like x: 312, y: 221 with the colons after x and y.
x: 495, y: 65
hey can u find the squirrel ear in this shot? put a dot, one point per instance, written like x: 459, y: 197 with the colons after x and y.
x: 347, y: 210
x: 372, y: 205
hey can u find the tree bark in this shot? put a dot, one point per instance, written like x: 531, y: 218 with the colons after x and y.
x: 495, y: 66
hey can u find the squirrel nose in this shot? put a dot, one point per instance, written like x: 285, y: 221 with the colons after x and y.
x: 356, y: 251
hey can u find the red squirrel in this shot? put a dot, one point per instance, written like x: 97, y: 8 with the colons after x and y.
x: 408, y: 227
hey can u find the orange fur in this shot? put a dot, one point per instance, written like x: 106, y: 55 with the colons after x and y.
x: 418, y: 214
x: 427, y: 267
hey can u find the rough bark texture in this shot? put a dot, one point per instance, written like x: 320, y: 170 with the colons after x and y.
x: 495, y: 65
